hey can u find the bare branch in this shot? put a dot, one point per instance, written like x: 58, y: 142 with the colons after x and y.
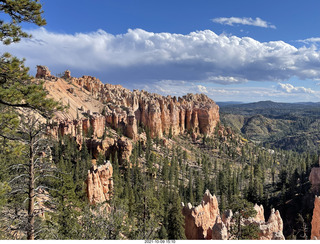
x: 19, y: 190
x: 18, y: 177
x: 17, y: 166
x: 41, y: 176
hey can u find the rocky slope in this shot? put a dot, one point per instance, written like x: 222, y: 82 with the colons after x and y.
x: 125, y: 110
x: 205, y: 222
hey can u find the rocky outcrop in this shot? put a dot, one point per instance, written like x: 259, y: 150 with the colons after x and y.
x: 270, y: 230
x: 205, y: 222
x: 162, y: 115
x: 200, y: 220
x: 219, y: 230
x: 43, y: 72
x: 314, y: 179
x: 125, y: 110
x: 99, y: 183
x: 260, y: 213
x: 315, y: 223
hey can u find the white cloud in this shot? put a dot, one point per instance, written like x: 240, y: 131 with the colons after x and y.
x: 284, y: 93
x: 202, y: 89
x: 145, y: 57
x: 226, y: 79
x: 243, y: 21
x: 288, y: 88
x: 310, y: 40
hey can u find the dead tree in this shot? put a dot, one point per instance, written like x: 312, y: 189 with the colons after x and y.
x: 30, y: 170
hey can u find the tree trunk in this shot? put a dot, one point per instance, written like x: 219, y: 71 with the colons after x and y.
x: 30, y: 229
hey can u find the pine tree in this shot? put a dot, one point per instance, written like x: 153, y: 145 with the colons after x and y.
x: 199, y: 187
x: 176, y: 220
x: 190, y: 188
x: 243, y: 209
x: 19, y: 11
x: 17, y: 90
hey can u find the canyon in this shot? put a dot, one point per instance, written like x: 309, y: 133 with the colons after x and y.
x: 109, y: 119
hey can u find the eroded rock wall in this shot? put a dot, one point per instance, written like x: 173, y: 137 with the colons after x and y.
x: 126, y: 110
x: 99, y: 183
x: 205, y: 222
x: 199, y: 220
x: 315, y: 223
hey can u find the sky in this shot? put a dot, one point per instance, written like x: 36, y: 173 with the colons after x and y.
x: 230, y: 50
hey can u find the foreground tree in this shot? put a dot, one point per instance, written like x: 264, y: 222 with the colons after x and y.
x: 29, y: 175
x: 21, y: 129
x: 19, y: 11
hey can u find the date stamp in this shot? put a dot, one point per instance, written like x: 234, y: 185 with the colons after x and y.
x: 159, y: 241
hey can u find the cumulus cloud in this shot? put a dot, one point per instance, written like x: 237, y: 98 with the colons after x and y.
x: 288, y: 88
x: 139, y: 56
x: 228, y: 93
x: 202, y: 89
x: 243, y: 21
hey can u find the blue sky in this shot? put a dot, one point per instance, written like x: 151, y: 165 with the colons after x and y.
x: 230, y: 50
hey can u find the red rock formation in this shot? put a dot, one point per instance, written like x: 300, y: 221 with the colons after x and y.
x: 314, y: 178
x: 260, y: 213
x: 315, y: 223
x: 123, y: 109
x: 205, y: 222
x: 273, y: 229
x: 219, y: 230
x: 99, y: 183
x: 200, y: 220
x: 67, y: 74
x: 42, y: 72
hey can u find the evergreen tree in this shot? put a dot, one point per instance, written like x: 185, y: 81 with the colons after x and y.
x: 199, y: 187
x: 19, y: 11
x: 243, y: 209
x: 190, y: 188
x: 176, y: 220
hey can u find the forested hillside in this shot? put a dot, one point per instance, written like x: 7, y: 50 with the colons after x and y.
x: 289, y: 126
x: 84, y: 160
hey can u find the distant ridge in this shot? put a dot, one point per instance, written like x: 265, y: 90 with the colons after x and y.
x: 269, y: 105
x: 222, y: 104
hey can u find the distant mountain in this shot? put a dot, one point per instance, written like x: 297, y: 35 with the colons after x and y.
x: 223, y: 104
x: 273, y: 109
x: 270, y: 104
x: 289, y: 126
